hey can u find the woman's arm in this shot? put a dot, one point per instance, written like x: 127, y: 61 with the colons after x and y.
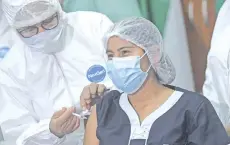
x: 90, y: 131
x: 227, y: 128
x: 206, y: 127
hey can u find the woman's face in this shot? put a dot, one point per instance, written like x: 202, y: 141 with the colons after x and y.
x: 121, y: 48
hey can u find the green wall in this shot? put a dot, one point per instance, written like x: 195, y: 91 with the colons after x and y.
x: 154, y: 10
x: 219, y: 3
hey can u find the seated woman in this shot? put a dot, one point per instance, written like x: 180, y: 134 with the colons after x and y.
x: 148, y: 112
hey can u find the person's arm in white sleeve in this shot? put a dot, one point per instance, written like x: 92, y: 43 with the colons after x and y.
x: 18, y: 118
x: 217, y: 83
x: 61, y: 124
x: 14, y: 118
x: 216, y: 88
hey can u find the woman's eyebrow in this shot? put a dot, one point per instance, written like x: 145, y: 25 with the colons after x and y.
x: 119, y: 49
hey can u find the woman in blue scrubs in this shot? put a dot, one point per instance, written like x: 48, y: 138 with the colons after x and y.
x: 148, y: 111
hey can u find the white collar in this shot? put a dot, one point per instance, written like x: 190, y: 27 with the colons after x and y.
x: 141, y: 130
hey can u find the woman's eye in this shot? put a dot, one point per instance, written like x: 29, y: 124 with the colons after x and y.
x: 125, y: 52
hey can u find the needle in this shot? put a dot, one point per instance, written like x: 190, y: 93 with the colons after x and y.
x: 80, y: 116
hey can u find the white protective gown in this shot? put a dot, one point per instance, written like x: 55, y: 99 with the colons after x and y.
x: 217, y: 84
x: 8, y: 39
x: 34, y: 85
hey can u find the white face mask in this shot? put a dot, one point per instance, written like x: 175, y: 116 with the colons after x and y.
x: 49, y: 41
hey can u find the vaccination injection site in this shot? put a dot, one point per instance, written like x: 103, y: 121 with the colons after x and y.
x: 114, y: 72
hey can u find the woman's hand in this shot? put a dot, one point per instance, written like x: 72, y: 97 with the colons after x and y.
x: 63, y: 122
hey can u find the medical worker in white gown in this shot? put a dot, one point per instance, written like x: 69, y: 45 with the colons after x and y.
x: 50, y: 57
x: 217, y: 83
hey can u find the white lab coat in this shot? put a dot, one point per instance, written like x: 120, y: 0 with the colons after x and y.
x: 217, y: 84
x: 35, y: 85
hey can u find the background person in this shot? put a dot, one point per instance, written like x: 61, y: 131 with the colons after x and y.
x: 217, y: 84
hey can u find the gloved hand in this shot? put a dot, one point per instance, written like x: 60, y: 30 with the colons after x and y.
x: 63, y: 122
x: 89, y: 93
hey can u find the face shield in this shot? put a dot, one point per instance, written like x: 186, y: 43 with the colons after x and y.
x: 3, y: 22
x: 48, y: 24
x: 23, y: 13
x: 29, y: 16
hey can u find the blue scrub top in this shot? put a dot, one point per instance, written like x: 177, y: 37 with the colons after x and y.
x: 185, y: 118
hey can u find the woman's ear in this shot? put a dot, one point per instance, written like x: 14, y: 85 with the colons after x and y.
x: 145, y: 63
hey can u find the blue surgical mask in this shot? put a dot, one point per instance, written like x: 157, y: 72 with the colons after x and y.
x: 126, y: 74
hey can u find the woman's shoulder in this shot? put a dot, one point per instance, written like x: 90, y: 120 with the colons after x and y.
x: 192, y: 96
x: 193, y: 100
x: 107, y: 99
x: 108, y: 103
x: 202, y: 118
